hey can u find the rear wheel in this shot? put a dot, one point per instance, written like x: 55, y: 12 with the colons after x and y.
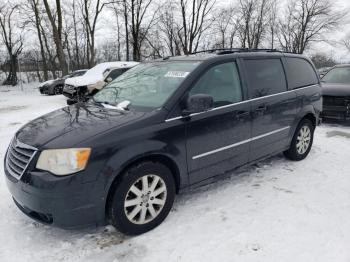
x: 302, y: 141
x: 142, y: 198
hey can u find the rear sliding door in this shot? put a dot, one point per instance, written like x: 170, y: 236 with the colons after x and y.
x: 273, y: 106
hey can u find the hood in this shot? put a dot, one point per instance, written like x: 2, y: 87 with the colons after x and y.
x: 46, y: 83
x: 329, y: 89
x: 95, y: 74
x: 70, y: 125
x: 84, y: 80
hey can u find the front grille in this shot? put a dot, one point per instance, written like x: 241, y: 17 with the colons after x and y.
x: 335, y: 101
x: 18, y: 158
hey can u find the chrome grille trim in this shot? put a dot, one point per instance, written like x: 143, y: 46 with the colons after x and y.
x: 18, y: 157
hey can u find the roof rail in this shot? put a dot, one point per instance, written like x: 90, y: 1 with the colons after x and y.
x: 218, y: 50
x: 225, y: 51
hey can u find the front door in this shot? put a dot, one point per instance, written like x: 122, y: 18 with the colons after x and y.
x: 273, y: 107
x: 218, y: 139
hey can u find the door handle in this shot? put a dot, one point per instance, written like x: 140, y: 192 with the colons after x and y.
x: 241, y: 114
x: 261, y: 109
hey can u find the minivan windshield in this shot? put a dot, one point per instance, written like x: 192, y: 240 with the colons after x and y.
x: 147, y: 85
x: 338, y: 75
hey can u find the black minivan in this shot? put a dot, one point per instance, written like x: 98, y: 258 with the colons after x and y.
x: 161, y: 127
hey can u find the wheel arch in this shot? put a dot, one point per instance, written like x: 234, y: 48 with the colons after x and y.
x: 154, y: 157
x: 309, y: 113
x: 311, y: 117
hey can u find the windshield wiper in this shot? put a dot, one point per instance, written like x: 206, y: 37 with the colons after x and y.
x: 105, y: 104
x: 98, y: 102
x: 124, y: 105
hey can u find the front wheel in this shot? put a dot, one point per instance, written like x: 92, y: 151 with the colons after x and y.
x: 142, y: 198
x: 58, y: 90
x: 302, y: 141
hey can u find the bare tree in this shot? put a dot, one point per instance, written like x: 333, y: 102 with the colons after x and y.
x: 346, y: 42
x: 57, y: 29
x: 140, y: 25
x: 12, y: 39
x: 50, y: 47
x: 126, y: 24
x: 167, y: 25
x: 254, y: 22
x: 34, y: 7
x: 195, y: 15
x: 323, y: 60
x: 121, y: 11
x: 307, y: 21
x: 91, y: 10
x: 139, y: 17
x: 226, y: 26
x: 273, y: 23
x: 78, y: 37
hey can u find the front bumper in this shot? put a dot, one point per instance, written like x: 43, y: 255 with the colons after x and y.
x: 64, y: 202
x: 43, y: 90
x: 70, y: 91
x: 336, y: 112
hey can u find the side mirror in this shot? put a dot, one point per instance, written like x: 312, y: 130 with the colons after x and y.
x: 198, y: 103
x: 109, y: 79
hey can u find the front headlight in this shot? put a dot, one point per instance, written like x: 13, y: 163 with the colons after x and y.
x: 63, y: 162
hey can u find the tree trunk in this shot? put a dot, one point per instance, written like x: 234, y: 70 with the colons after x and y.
x: 12, y: 76
x: 76, y: 45
x: 42, y: 50
x: 126, y: 31
x: 57, y: 33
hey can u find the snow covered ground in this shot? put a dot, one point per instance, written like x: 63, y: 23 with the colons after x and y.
x: 277, y: 210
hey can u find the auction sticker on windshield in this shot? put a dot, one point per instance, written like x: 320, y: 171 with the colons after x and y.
x: 178, y: 74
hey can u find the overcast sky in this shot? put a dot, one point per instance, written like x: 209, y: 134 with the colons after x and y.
x: 339, y: 51
x: 335, y: 47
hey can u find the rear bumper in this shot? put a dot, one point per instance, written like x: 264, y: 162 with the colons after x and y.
x: 58, y: 201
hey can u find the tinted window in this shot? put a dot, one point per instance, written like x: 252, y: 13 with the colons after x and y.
x: 265, y: 77
x: 300, y: 73
x: 340, y: 75
x: 222, y: 83
x: 79, y: 73
x: 116, y: 72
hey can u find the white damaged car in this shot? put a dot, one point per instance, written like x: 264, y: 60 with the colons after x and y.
x: 80, y: 88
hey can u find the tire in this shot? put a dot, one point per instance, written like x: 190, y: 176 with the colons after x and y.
x: 55, y: 90
x: 51, y: 91
x: 133, y: 210
x: 58, y: 90
x: 302, y: 141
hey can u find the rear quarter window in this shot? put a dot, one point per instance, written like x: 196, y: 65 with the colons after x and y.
x: 265, y: 77
x: 300, y: 73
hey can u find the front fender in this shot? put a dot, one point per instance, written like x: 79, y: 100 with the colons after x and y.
x: 132, y: 153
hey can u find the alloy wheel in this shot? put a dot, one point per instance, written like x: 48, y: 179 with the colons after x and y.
x: 303, y: 139
x: 145, y: 199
